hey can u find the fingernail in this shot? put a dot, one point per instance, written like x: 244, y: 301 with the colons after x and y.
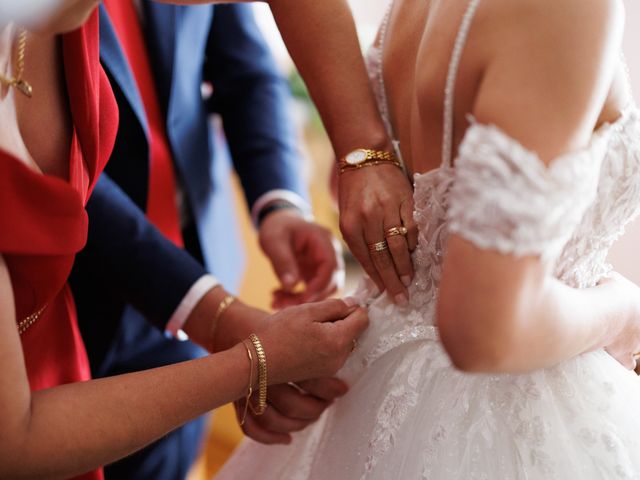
x: 288, y: 280
x: 401, y: 299
x: 350, y: 301
x: 406, y: 280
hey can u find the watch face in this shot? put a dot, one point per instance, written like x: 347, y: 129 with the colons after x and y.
x: 356, y: 157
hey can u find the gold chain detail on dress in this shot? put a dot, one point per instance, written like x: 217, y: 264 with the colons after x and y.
x: 23, y: 325
x: 17, y: 81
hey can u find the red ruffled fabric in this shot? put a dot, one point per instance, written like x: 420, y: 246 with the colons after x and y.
x: 44, y: 223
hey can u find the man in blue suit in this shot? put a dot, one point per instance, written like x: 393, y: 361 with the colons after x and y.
x: 187, y: 46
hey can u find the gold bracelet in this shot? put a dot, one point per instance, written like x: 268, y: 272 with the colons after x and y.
x: 262, y: 376
x: 373, y: 163
x: 224, y: 304
x: 250, y: 389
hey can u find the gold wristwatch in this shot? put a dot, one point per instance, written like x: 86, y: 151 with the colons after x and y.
x: 363, y: 157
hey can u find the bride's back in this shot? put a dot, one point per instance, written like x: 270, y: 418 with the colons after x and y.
x: 504, y: 35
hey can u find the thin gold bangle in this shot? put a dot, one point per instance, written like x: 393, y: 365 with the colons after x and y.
x: 222, y: 307
x: 250, y: 388
x: 262, y: 376
x: 371, y: 163
x: 224, y: 304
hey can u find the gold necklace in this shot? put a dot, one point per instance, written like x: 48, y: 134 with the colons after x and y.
x: 17, y: 81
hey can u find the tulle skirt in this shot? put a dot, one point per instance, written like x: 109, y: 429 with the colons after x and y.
x: 410, y: 415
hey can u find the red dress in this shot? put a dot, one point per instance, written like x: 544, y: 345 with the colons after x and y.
x: 44, y: 224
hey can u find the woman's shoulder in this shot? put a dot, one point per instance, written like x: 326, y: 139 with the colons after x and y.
x: 548, y: 69
x: 553, y: 20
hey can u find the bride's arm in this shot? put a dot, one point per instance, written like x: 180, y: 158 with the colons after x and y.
x: 502, y: 312
x: 67, y: 430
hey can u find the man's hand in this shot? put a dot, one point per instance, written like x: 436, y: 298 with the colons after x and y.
x: 301, y: 251
x: 292, y: 407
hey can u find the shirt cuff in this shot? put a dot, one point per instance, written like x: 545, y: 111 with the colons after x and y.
x: 198, y: 290
x: 286, y: 195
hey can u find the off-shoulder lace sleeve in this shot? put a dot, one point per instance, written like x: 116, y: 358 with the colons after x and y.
x: 505, y: 198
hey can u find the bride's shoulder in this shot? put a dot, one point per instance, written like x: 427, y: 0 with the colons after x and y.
x: 548, y: 68
x: 553, y: 36
x: 566, y: 20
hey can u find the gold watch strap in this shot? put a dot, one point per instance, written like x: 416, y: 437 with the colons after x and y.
x: 379, y: 155
x: 371, y: 158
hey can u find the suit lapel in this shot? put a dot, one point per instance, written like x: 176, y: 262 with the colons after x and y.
x: 116, y: 64
x: 161, y: 24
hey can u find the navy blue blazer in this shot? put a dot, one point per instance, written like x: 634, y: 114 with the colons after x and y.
x: 223, y: 46
x: 128, y: 260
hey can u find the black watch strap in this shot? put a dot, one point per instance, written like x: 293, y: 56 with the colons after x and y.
x: 274, y: 207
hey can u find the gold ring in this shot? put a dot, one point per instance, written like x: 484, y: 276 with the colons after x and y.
x: 378, y: 246
x: 636, y: 355
x: 393, y: 231
x: 354, y: 345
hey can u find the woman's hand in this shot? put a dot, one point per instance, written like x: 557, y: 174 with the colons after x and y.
x: 312, y: 340
x: 304, y: 344
x: 626, y: 341
x: 291, y: 407
x: 372, y: 200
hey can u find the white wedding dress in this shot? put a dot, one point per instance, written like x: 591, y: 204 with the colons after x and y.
x: 409, y: 414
